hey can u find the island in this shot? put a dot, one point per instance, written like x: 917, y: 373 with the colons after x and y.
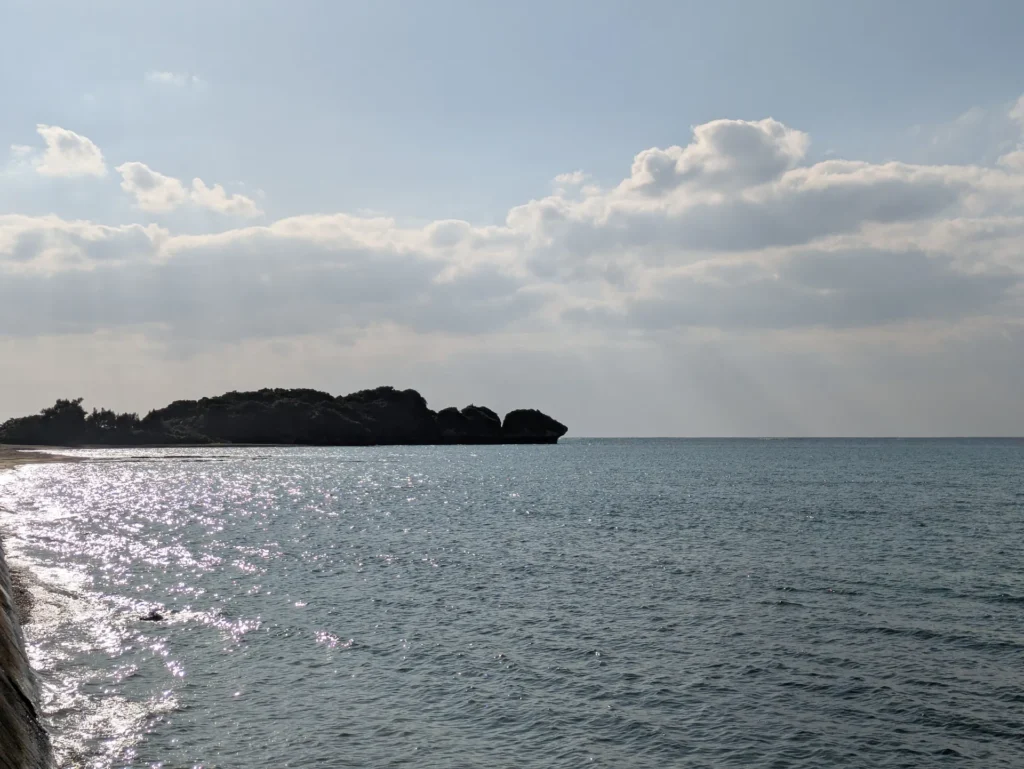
x: 377, y: 417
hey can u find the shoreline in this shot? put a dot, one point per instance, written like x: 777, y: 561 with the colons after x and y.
x: 12, y: 457
x: 24, y: 743
x: 25, y: 447
x: 15, y: 456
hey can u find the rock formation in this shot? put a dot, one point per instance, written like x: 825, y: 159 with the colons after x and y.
x: 474, y: 424
x: 531, y: 426
x: 381, y: 416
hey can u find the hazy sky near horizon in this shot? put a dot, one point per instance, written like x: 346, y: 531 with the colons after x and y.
x: 646, y: 218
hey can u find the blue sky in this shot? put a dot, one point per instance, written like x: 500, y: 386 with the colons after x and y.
x: 395, y: 117
x: 465, y: 109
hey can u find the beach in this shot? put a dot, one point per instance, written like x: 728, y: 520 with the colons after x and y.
x: 11, y: 457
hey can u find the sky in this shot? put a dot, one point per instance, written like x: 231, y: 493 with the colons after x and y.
x: 644, y: 218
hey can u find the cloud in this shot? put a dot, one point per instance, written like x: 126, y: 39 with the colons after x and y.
x: 1017, y: 112
x: 216, y: 199
x: 67, y: 154
x: 255, y: 282
x: 977, y: 135
x: 815, y: 289
x: 1014, y: 161
x: 175, y: 79
x: 152, y: 190
x: 731, y: 233
x: 158, y: 193
x: 578, y: 238
x: 723, y: 154
x: 48, y: 245
x: 571, y: 179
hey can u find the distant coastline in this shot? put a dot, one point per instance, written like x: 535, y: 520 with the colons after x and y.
x: 381, y: 416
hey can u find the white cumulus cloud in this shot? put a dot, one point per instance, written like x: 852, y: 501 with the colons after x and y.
x: 153, y: 191
x: 67, y: 154
x: 723, y: 153
x: 158, y: 193
x: 216, y: 199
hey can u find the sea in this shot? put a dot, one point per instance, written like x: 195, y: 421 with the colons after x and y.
x: 595, y: 603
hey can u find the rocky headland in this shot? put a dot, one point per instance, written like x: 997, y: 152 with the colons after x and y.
x: 381, y: 416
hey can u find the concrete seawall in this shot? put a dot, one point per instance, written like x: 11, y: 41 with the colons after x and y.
x: 23, y: 741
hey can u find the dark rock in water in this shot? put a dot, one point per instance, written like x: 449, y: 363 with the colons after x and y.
x: 474, y: 424
x: 381, y: 416
x: 531, y: 426
x: 153, y: 616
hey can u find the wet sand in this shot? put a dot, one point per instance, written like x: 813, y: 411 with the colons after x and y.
x: 12, y: 456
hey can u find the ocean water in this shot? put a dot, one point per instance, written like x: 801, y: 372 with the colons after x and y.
x: 718, y: 603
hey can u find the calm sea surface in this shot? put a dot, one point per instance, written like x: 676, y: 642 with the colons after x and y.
x: 596, y: 603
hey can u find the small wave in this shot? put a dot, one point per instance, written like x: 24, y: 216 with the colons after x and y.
x: 977, y: 641
x: 90, y: 726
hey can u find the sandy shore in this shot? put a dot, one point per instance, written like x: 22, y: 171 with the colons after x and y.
x: 12, y: 456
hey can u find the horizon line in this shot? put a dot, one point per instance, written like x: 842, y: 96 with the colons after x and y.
x: 790, y: 437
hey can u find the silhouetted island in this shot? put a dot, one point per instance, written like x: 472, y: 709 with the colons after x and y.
x: 381, y: 416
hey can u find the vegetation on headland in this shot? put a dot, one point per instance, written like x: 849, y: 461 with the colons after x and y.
x: 379, y: 416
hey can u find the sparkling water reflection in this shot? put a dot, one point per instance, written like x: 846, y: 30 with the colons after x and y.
x: 605, y: 603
